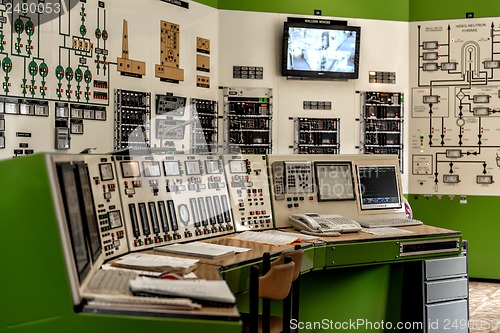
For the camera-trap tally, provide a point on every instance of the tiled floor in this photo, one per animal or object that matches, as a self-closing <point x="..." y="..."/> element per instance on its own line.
<point x="484" y="305"/>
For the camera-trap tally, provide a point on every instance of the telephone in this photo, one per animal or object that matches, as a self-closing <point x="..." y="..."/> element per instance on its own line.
<point x="323" y="225"/>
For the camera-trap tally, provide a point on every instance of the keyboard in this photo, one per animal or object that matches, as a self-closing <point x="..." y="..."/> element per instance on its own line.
<point x="175" y="303"/>
<point x="397" y="222"/>
<point x="113" y="282"/>
<point x="343" y="224"/>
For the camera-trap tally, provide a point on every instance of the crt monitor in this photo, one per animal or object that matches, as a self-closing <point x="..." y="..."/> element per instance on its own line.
<point x="378" y="187"/>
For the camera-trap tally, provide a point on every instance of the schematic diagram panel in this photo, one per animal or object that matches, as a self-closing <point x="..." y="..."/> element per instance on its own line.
<point x="54" y="50"/>
<point x="455" y="127"/>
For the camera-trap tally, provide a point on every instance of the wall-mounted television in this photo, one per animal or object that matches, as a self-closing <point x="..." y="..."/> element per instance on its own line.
<point x="315" y="49"/>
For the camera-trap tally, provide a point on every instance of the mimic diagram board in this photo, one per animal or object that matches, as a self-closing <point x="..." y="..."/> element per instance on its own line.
<point x="64" y="69"/>
<point x="455" y="124"/>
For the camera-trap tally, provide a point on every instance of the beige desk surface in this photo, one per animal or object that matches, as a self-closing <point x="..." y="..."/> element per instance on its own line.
<point x="210" y="268"/>
<point x="258" y="249"/>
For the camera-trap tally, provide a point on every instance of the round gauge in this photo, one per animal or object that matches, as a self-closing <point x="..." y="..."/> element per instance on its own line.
<point x="184" y="214"/>
<point x="78" y="75"/>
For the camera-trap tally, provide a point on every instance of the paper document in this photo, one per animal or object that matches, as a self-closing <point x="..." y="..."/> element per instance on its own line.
<point x="206" y="292"/>
<point x="202" y="249"/>
<point x="386" y="231"/>
<point x="267" y="238"/>
<point x="303" y="237"/>
<point x="156" y="262"/>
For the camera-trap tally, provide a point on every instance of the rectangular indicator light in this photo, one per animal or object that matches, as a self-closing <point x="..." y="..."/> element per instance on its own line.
<point x="484" y="179"/>
<point x="453" y="153"/>
<point x="451" y="179"/>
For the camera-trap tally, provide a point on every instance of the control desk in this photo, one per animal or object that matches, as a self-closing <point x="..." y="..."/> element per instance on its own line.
<point x="87" y="210"/>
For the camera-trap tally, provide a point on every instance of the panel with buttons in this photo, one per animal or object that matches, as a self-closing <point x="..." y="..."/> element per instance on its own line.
<point x="247" y="180"/>
<point x="110" y="219"/>
<point x="173" y="198"/>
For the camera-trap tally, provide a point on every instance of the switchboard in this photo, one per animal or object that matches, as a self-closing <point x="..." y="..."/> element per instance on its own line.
<point x="248" y="120"/>
<point x="316" y="135"/>
<point x="247" y="181"/>
<point x="382" y="123"/>
<point x="173" y="198"/>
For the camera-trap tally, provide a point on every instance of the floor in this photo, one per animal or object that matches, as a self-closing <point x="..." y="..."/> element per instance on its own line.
<point x="484" y="305"/>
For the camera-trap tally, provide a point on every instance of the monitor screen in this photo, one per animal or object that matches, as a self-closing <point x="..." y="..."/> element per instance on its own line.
<point x="69" y="193"/>
<point x="212" y="167"/>
<point x="237" y="166"/>
<point x="378" y="187"/>
<point x="334" y="180"/>
<point x="320" y="51"/>
<point x="88" y="209"/>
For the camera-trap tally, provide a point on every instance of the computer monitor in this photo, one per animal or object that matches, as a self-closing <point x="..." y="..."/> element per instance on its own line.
<point x="334" y="181"/>
<point x="378" y="187"/>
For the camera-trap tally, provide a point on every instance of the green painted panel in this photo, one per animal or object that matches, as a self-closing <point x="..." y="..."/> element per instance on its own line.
<point x="394" y="10"/>
<point x="478" y="222"/>
<point x="35" y="262"/>
<point x="424" y="10"/>
<point x="344" y="296"/>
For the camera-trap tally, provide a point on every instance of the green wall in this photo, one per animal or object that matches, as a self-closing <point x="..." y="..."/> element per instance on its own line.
<point x="425" y="10"/>
<point x="394" y="10"/>
<point x="477" y="220"/>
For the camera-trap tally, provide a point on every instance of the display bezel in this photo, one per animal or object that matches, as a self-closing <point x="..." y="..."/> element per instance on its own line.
<point x="146" y="167"/>
<point x="133" y="166"/>
<point x="377" y="206"/>
<point x="319" y="74"/>
<point x="349" y="178"/>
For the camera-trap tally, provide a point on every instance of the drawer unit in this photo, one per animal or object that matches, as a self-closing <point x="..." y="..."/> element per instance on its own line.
<point x="445" y="290"/>
<point x="447" y="317"/>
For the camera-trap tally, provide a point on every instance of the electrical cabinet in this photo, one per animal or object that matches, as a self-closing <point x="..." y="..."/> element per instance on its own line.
<point x="204" y="133"/>
<point x="132" y="119"/>
<point x="247" y="120"/>
<point x="382" y="123"/>
<point x="316" y="135"/>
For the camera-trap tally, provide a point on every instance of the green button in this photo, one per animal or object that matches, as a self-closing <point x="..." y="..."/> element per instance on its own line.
<point x="290" y="205"/>
<point x="296" y="205"/>
<point x="288" y="199"/>
<point x="295" y="199"/>
<point x="301" y="198"/>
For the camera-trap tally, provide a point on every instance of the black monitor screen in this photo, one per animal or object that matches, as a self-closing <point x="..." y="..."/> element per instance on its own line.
<point x="88" y="209"/>
<point x="378" y="187"/>
<point x="69" y="192"/>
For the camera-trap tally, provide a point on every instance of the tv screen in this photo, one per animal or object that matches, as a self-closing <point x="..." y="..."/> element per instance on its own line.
<point x="320" y="50"/>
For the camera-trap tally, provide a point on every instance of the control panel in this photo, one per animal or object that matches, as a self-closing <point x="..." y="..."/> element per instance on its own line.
<point x="316" y="135"/>
<point x="173" y="198"/>
<point x="247" y="180"/>
<point x="110" y="219"/>
<point x="328" y="184"/>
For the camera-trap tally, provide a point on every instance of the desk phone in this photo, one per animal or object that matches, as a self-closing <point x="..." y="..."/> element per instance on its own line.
<point x="323" y="225"/>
